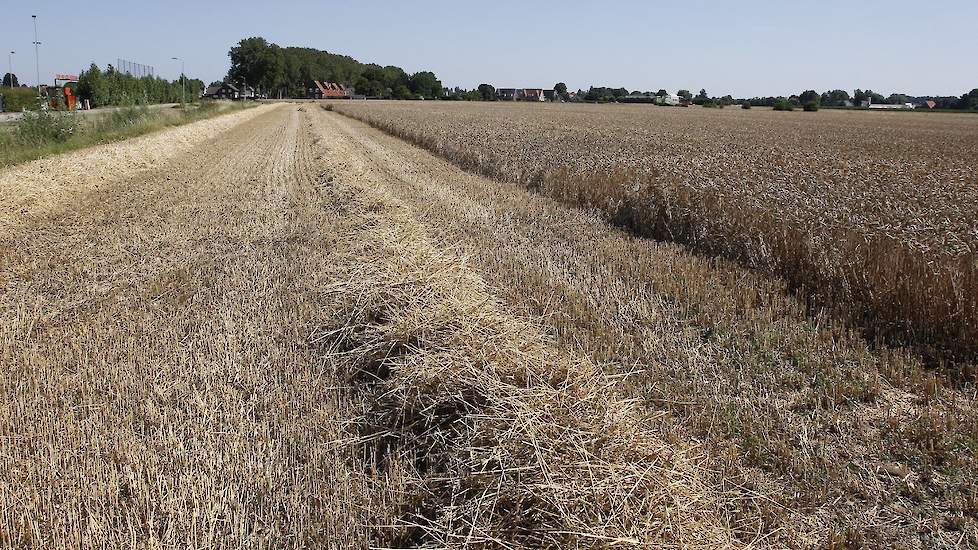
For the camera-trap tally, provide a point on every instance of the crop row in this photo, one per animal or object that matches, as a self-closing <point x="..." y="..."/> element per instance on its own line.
<point x="870" y="214"/>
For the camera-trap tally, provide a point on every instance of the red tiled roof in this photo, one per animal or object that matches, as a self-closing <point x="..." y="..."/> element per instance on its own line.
<point x="331" y="89"/>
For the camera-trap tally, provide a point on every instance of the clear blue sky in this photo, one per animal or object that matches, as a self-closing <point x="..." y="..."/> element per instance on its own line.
<point x="740" y="48"/>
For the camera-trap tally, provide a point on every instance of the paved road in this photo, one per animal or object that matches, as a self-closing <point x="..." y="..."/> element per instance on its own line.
<point x="10" y="117"/>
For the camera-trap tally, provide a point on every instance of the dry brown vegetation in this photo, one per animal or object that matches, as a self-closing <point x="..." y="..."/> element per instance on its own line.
<point x="872" y="215"/>
<point x="289" y="330"/>
<point x="812" y="437"/>
<point x="497" y="438"/>
<point x="254" y="345"/>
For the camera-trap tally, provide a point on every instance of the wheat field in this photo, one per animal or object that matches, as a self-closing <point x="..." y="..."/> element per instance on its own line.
<point x="868" y="213"/>
<point x="284" y="328"/>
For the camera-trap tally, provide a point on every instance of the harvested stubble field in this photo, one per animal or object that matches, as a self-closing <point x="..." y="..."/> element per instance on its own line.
<point x="289" y="329"/>
<point x="872" y="214"/>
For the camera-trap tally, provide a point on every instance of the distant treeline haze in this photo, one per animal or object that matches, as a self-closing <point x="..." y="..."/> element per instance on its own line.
<point x="290" y="72"/>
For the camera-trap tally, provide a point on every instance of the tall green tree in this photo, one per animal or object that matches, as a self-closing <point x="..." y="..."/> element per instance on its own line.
<point x="898" y="99"/>
<point x="834" y="98"/>
<point x="809" y="96"/>
<point x="92" y="87"/>
<point x="402" y="92"/>
<point x="291" y="71"/>
<point x="969" y="100"/>
<point x="561" y="90"/>
<point x="257" y="63"/>
<point x="487" y="92"/>
<point x="10" y="80"/>
<point x="370" y="87"/>
<point x="425" y="84"/>
<point x="110" y="87"/>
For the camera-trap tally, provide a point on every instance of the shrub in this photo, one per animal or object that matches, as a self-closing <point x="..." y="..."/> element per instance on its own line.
<point x="811" y="106"/>
<point x="745" y="106"/>
<point x="783" y="105"/>
<point x="40" y="127"/>
<point x="19" y="99"/>
<point x="125" y="117"/>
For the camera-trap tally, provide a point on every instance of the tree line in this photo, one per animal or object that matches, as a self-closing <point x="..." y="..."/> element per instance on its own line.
<point x="290" y="72"/>
<point x="808" y="99"/>
<point x="111" y="87"/>
<point x="859" y="97"/>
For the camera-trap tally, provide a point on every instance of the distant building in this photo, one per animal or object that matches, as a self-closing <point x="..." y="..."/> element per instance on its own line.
<point x="329" y="90"/>
<point x="223" y="91"/>
<point x="526" y="94"/>
<point x="891" y="107"/>
<point x="667" y="99"/>
<point x="508" y="94"/>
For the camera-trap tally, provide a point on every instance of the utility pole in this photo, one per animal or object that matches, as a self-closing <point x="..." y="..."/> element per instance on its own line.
<point x="37" y="64"/>
<point x="10" y="67"/>
<point x="183" y="82"/>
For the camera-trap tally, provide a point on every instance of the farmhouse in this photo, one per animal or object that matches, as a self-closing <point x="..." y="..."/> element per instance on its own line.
<point x="223" y="91"/>
<point x="667" y="99"/>
<point x="329" y="90"/>
<point x="525" y="94"/>
<point x="888" y="106"/>
<point x="508" y="94"/>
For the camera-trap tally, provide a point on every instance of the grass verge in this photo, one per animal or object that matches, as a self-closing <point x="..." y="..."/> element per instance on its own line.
<point x="43" y="133"/>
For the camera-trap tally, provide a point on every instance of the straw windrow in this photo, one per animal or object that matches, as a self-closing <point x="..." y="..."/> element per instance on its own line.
<point x="507" y="441"/>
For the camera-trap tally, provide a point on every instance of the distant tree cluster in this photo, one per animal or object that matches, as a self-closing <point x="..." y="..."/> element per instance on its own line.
<point x="10" y="80"/>
<point x="484" y="92"/>
<point x="809" y="100"/>
<point x="111" y="87"/>
<point x="602" y="94"/>
<point x="968" y="101"/>
<point x="290" y="72"/>
<point x="840" y="98"/>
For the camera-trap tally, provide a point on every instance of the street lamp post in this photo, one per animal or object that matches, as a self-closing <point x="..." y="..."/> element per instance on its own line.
<point x="10" y="67"/>
<point x="183" y="80"/>
<point x="37" y="63"/>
